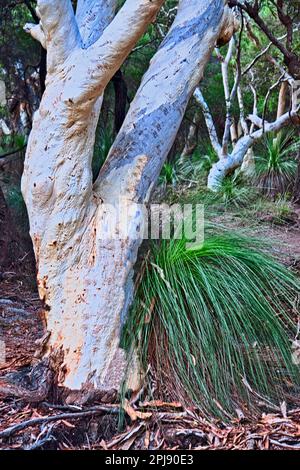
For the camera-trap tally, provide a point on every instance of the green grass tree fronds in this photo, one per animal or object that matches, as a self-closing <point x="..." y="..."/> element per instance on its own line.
<point x="215" y="323"/>
<point x="276" y="166"/>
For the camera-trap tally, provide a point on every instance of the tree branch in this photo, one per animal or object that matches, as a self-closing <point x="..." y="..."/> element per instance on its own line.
<point x="156" y="112"/>
<point x="244" y="124"/>
<point x="274" y="126"/>
<point x="230" y="95"/>
<point x="35" y="30"/>
<point x="225" y="165"/>
<point x="253" y="12"/>
<point x="291" y="59"/>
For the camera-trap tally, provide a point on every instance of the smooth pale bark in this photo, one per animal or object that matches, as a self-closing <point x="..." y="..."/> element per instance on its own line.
<point x="248" y="164"/>
<point x="66" y="215"/>
<point x="84" y="277"/>
<point x="4" y="128"/>
<point x="158" y="108"/>
<point x="154" y="117"/>
<point x="212" y="132"/>
<point x="228" y="96"/>
<point x="92" y="17"/>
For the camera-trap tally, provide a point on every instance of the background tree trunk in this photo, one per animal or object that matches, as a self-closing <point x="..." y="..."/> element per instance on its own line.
<point x="6" y="232"/>
<point x="297" y="182"/>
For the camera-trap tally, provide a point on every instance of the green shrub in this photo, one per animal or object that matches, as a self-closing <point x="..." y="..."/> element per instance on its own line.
<point x="168" y="175"/>
<point x="233" y="190"/>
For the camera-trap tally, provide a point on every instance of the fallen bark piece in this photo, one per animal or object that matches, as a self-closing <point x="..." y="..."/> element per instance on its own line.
<point x="134" y="414"/>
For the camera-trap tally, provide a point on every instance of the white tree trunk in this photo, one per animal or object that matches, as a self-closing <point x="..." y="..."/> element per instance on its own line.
<point x="212" y="132"/>
<point x="84" y="277"/>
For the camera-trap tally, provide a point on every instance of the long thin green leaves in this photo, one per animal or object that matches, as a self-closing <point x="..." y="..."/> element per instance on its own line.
<point x="216" y="324"/>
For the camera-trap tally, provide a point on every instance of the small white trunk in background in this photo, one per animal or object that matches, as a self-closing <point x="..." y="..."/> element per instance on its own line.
<point x="85" y="278"/>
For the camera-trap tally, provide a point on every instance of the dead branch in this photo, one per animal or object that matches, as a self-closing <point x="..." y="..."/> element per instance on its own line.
<point x="48" y="419"/>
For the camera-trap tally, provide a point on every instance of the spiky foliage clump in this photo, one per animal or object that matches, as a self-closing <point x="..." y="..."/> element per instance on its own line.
<point x="283" y="209"/>
<point x="276" y="166"/>
<point x="215" y="322"/>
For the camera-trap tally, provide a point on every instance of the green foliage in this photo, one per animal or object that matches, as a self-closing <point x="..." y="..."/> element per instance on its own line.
<point x="15" y="200"/>
<point x="233" y="193"/>
<point x="190" y="169"/>
<point x="282" y="208"/>
<point x="168" y="175"/>
<point x="215" y="323"/>
<point x="199" y="163"/>
<point x="25" y="53"/>
<point x="276" y="166"/>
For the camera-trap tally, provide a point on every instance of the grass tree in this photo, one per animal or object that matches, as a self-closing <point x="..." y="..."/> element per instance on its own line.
<point x="235" y="149"/>
<point x="84" y="276"/>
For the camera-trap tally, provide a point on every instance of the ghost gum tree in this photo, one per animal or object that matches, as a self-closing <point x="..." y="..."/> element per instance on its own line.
<point x="85" y="278"/>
